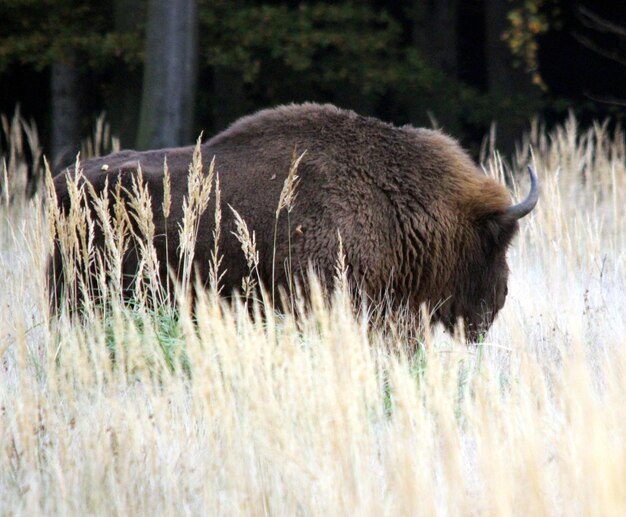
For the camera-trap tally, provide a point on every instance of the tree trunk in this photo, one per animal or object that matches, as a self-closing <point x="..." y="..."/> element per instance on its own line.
<point x="169" y="78"/>
<point x="435" y="34"/>
<point x="503" y="80"/>
<point x="66" y="112"/>
<point x="124" y="97"/>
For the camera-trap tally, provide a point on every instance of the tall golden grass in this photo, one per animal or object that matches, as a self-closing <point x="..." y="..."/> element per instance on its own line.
<point x="142" y="410"/>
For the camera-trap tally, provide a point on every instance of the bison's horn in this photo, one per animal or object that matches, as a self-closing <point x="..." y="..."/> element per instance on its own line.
<point x="525" y="207"/>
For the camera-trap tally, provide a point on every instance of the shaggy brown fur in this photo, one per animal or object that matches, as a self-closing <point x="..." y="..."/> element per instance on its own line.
<point x="418" y="219"/>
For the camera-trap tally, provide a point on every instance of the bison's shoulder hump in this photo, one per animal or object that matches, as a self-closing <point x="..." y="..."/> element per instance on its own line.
<point x="465" y="183"/>
<point x="284" y="118"/>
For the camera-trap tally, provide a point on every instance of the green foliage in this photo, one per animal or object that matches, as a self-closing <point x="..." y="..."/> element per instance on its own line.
<point x="349" y="52"/>
<point x="324" y="45"/>
<point x="41" y="32"/>
<point x="345" y="52"/>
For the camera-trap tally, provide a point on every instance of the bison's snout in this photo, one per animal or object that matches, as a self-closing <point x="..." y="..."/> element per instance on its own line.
<point x="472" y="332"/>
<point x="475" y="333"/>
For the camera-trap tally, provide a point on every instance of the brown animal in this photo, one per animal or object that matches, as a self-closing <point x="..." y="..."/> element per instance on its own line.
<point x="418" y="219"/>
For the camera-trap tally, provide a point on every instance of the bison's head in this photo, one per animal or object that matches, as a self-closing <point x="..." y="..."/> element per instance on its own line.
<point x="479" y="289"/>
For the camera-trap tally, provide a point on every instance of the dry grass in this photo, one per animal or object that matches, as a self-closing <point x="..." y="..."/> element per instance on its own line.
<point x="149" y="412"/>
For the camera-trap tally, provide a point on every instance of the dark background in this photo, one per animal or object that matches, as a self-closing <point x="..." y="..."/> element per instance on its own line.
<point x="164" y="70"/>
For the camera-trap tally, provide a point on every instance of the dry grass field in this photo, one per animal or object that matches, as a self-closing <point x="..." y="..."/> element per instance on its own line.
<point x="137" y="411"/>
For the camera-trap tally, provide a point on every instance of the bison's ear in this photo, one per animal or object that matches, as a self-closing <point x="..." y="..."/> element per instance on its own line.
<point x="488" y="214"/>
<point x="502" y="223"/>
<point x="500" y="229"/>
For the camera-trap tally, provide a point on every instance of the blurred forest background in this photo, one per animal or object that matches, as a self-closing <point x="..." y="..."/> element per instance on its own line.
<point x="164" y="70"/>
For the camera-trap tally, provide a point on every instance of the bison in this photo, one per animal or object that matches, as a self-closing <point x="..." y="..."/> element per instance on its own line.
<point x="419" y="222"/>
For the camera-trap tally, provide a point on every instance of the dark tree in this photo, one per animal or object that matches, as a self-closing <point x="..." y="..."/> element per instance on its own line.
<point x="505" y="81"/>
<point x="123" y="94"/>
<point x="169" y="78"/>
<point x="65" y="100"/>
<point x="73" y="43"/>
